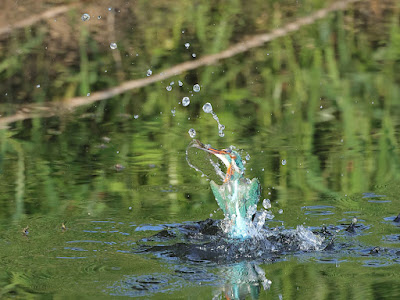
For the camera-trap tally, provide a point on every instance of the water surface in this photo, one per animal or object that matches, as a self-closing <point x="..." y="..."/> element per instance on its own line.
<point x="317" y="110"/>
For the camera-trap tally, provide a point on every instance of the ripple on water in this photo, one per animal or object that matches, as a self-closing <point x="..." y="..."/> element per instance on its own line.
<point x="104" y="222"/>
<point x="391" y="219"/>
<point x="379" y="201"/>
<point x="84" y="241"/>
<point x="71" y="257"/>
<point x="372" y="195"/>
<point x="318" y="210"/>
<point x="376" y="263"/>
<point x="150" y="228"/>
<point x="331" y="261"/>
<point x="146" y="285"/>
<point x="75" y="249"/>
<point x="392" y="238"/>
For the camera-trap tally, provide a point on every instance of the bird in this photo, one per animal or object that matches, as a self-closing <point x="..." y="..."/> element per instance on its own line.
<point x="237" y="194"/>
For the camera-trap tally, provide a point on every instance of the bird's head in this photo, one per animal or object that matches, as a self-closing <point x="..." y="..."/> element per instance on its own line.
<point x="230" y="158"/>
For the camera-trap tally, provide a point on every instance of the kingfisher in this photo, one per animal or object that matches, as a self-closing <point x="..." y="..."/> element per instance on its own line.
<point x="237" y="194"/>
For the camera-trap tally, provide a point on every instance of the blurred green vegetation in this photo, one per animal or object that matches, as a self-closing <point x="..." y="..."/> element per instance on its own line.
<point x="325" y="99"/>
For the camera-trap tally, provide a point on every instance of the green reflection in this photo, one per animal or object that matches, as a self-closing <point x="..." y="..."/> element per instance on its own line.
<point x="325" y="99"/>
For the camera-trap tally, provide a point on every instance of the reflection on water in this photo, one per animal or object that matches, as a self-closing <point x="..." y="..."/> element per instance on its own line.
<point x="244" y="281"/>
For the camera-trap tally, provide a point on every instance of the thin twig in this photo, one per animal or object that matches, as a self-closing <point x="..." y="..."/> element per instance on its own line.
<point x="255" y="41"/>
<point x="51" y="13"/>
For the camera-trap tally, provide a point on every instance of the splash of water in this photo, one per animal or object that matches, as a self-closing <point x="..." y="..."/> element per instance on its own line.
<point x="238" y="197"/>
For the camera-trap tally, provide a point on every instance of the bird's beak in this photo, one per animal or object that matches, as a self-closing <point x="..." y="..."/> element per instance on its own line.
<point x="221" y="155"/>
<point x="218" y="153"/>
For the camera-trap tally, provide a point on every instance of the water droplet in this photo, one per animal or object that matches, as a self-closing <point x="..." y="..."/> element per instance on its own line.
<point x="85" y="17"/>
<point x="113" y="46"/>
<point x="38" y="86"/>
<point x="266" y="203"/>
<point x="193" y="55"/>
<point x="192" y="132"/>
<point x="172" y="83"/>
<point x="221" y="133"/>
<point x="99" y="17"/>
<point x="196" y="88"/>
<point x="283" y="162"/>
<point x="110" y="8"/>
<point x="185" y="101"/>
<point x="207" y="108"/>
<point x="169" y="88"/>
<point x="135" y="116"/>
<point x="248" y="157"/>
<point x="221" y="127"/>
<point x="88" y="94"/>
<point x="252" y="210"/>
<point x="180" y="83"/>
<point x="187" y="45"/>
<point x="280" y="211"/>
<point x="173" y="111"/>
<point x="149" y="72"/>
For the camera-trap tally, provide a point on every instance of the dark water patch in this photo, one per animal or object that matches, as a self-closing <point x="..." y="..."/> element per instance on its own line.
<point x="397" y="219"/>
<point x="205" y="241"/>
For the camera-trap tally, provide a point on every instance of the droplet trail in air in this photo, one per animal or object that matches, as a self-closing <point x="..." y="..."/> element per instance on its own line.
<point x="207" y="108"/>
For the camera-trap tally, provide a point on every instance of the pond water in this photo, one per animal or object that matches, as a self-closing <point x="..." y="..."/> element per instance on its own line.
<point x="97" y="198"/>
